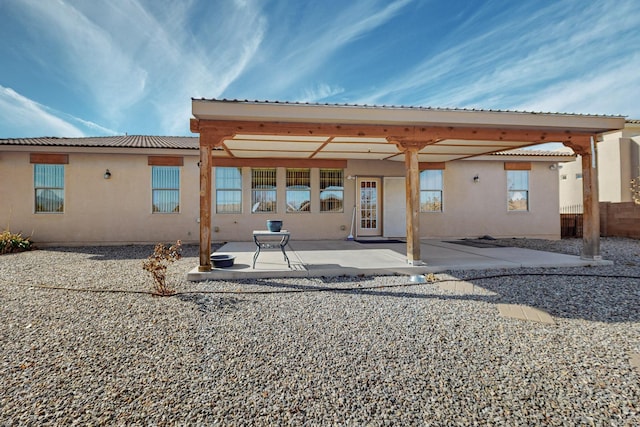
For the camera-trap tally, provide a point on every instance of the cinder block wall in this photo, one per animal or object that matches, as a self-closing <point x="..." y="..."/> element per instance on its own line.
<point x="620" y="219"/>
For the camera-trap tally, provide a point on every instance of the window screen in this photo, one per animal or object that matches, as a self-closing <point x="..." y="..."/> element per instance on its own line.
<point x="263" y="190"/>
<point x="165" y="189"/>
<point x="228" y="190"/>
<point x="431" y="191"/>
<point x="49" y="188"/>
<point x="518" y="190"/>
<point x="331" y="190"/>
<point x="298" y="190"/>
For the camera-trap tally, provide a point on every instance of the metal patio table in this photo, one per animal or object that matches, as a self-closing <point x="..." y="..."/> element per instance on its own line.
<point x="265" y="239"/>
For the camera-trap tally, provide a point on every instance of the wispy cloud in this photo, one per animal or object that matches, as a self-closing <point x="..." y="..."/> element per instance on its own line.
<point x="510" y="63"/>
<point x="96" y="64"/>
<point x="18" y="112"/>
<point x="318" y="93"/>
<point x="149" y="60"/>
<point x="309" y="41"/>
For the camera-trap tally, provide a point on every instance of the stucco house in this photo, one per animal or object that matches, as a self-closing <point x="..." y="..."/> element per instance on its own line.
<point x="619" y="163"/>
<point x="327" y="171"/>
<point x="144" y="189"/>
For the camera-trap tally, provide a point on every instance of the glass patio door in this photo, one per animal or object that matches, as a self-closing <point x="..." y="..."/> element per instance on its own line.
<point x="369" y="207"/>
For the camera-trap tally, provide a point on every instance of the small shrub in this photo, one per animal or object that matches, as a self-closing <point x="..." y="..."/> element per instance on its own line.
<point x="157" y="264"/>
<point x="14" y="242"/>
<point x="635" y="190"/>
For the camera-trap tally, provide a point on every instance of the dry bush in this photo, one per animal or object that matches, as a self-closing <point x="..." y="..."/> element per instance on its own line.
<point x="157" y="264"/>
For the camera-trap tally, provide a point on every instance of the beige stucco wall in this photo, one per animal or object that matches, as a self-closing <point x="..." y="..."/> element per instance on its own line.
<point x="97" y="210"/>
<point x="570" y="188"/>
<point x="618" y="163"/>
<point x="477" y="209"/>
<point x="118" y="210"/>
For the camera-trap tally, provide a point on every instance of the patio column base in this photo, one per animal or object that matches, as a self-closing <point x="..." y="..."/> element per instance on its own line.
<point x="417" y="262"/>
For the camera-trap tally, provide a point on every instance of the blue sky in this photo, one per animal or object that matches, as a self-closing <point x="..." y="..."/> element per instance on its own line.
<point x="86" y="68"/>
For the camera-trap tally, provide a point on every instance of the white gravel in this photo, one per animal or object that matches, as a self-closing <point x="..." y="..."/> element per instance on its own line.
<point x="324" y="351"/>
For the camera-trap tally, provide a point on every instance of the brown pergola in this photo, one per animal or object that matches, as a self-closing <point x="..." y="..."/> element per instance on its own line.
<point x="245" y="133"/>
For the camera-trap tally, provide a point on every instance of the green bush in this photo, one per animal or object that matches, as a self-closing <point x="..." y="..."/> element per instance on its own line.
<point x="14" y="242"/>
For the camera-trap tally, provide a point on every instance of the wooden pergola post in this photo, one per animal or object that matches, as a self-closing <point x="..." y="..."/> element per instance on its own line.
<point x="413" y="205"/>
<point x="412" y="185"/>
<point x="591" y="212"/>
<point x="209" y="138"/>
<point x="205" y="207"/>
<point x="590" y="200"/>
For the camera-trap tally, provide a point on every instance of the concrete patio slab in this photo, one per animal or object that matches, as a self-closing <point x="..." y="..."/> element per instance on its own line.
<point x="524" y="312"/>
<point x="350" y="258"/>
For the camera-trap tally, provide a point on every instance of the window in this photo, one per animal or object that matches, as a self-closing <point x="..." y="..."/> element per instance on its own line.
<point x="165" y="189"/>
<point x="331" y="190"/>
<point x="579" y="176"/>
<point x="298" y="190"/>
<point x="518" y="190"/>
<point x="49" y="188"/>
<point x="228" y="190"/>
<point x="263" y="190"/>
<point x="431" y="191"/>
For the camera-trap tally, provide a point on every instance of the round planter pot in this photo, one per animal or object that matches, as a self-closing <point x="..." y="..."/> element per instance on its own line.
<point x="274" y="225"/>
<point x="222" y="261"/>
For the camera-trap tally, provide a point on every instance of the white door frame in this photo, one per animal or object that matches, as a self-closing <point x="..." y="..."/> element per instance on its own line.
<point x="368" y="199"/>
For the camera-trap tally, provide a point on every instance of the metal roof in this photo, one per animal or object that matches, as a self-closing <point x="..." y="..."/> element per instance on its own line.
<point x="125" y="141"/>
<point x="397" y="107"/>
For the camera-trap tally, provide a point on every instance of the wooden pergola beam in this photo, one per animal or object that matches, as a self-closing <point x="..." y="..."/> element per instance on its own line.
<point x="432" y="134"/>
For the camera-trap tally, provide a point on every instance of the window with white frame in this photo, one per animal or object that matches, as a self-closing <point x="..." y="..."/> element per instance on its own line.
<point x="263" y="190"/>
<point x="331" y="190"/>
<point x="298" y="194"/>
<point x="431" y="190"/>
<point x="165" y="189"/>
<point x="48" y="182"/>
<point x="518" y="190"/>
<point x="228" y="190"/>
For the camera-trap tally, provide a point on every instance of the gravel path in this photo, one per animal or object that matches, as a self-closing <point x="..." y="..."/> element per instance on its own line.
<point x="357" y="351"/>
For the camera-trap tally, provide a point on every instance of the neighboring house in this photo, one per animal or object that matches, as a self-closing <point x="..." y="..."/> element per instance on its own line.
<point x="146" y="189"/>
<point x="618" y="163"/>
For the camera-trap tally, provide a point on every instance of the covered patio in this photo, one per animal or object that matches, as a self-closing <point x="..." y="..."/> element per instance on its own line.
<point x="252" y="133"/>
<point x="330" y="258"/>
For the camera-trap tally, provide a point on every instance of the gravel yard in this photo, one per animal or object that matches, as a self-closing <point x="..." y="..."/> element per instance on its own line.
<point x="348" y="350"/>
